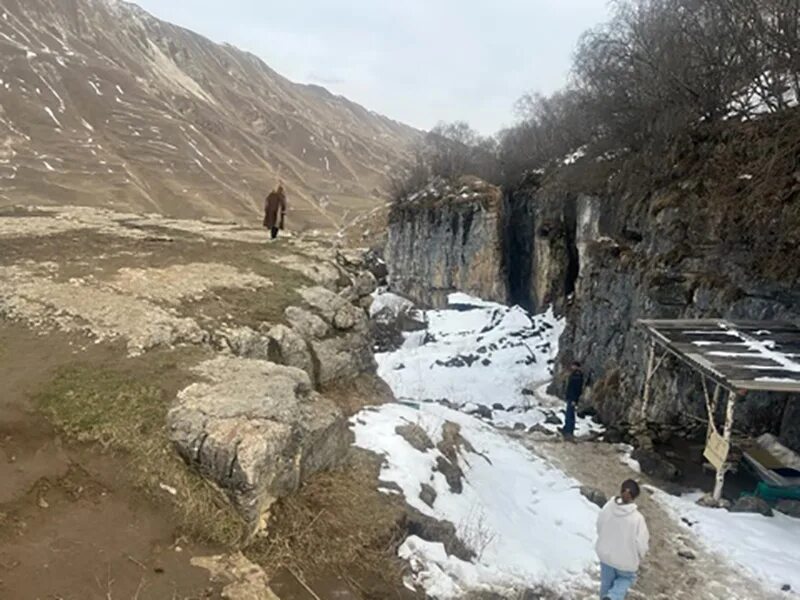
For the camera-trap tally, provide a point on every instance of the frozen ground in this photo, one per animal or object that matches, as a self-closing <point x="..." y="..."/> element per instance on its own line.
<point x="513" y="504"/>
<point x="482" y="369"/>
<point x="481" y="354"/>
<point x="767" y="548"/>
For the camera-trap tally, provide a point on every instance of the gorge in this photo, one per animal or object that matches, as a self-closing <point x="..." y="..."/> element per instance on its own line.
<point x="711" y="230"/>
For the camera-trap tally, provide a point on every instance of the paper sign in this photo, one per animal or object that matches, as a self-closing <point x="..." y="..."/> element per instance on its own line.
<point x="717" y="449"/>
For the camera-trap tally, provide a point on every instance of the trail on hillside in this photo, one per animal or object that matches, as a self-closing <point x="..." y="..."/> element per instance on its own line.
<point x="475" y="434"/>
<point x="665" y="573"/>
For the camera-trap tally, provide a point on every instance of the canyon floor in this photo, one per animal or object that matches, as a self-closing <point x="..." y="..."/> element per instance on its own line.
<point x="104" y="317"/>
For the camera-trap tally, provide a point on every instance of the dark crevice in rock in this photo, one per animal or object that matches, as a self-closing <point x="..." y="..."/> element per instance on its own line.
<point x="518" y="231"/>
<point x="199" y="453"/>
<point x="466" y="226"/>
<point x="234" y="461"/>
<point x="573" y="266"/>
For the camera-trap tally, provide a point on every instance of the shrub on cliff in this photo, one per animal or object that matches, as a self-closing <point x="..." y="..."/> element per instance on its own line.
<point x="449" y="151"/>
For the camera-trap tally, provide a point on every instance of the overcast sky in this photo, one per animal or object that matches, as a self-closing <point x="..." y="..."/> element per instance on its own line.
<point x="417" y="61"/>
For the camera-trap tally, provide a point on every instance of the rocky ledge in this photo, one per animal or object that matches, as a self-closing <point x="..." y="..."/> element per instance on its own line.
<point x="257" y="430"/>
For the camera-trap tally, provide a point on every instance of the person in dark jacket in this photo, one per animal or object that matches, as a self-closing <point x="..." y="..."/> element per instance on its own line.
<point x="275" y="211"/>
<point x="573" y="395"/>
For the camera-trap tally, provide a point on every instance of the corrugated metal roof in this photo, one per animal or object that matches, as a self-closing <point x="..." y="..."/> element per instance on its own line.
<point x="740" y="355"/>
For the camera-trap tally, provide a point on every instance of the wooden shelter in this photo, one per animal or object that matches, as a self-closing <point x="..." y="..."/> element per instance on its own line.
<point x="737" y="357"/>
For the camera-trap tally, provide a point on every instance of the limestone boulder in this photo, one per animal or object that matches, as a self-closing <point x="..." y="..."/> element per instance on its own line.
<point x="594" y="496"/>
<point x="242" y="341"/>
<point x="343" y="357"/>
<point x="789" y="507"/>
<point x="306" y="323"/>
<point x="347" y="317"/>
<point x="364" y="284"/>
<point x="752" y="504"/>
<point x="427" y="494"/>
<point x="337" y="333"/>
<point x="287" y="347"/>
<point x="415" y="435"/>
<point x="257" y="430"/>
<point x="324" y="302"/>
<point x="364" y="260"/>
<point x="653" y="464"/>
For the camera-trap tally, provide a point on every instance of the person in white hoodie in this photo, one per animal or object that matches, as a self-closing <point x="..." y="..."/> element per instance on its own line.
<point x="622" y="542"/>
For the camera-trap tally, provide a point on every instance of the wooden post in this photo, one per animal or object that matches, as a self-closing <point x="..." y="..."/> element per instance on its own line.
<point x="726" y="435"/>
<point x="711" y="408"/>
<point x="647" y="377"/>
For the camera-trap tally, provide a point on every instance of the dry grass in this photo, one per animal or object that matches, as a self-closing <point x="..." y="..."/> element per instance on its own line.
<point x="338" y="523"/>
<point x="124" y="410"/>
<point x="355" y="394"/>
<point x="251" y="308"/>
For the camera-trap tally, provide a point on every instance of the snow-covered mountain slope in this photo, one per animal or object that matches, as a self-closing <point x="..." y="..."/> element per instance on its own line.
<point x="102" y="104"/>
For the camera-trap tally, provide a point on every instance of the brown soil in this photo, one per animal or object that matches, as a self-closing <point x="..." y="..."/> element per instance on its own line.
<point x="337" y="533"/>
<point x="71" y="524"/>
<point x="84" y="454"/>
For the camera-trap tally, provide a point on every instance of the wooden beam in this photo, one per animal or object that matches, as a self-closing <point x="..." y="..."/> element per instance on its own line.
<point x="711" y="407"/>
<point x="670" y="334"/>
<point x="751" y="385"/>
<point x="730" y="412"/>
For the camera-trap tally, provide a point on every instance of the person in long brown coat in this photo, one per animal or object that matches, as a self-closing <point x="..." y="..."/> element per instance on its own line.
<point x="275" y="211"/>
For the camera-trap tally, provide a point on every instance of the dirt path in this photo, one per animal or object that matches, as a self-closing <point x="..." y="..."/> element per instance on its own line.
<point x="78" y="521"/>
<point x="71" y="526"/>
<point x="665" y="574"/>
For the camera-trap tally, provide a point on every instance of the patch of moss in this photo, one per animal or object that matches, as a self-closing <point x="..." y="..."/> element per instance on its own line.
<point x="124" y="409"/>
<point x="248" y="307"/>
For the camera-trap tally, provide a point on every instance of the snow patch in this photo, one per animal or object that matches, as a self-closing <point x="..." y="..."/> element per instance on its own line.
<point x="484" y="355"/>
<point x="765" y="547"/>
<point x="52" y="116"/>
<point x="512" y="506"/>
<point x="474" y="356"/>
<point x="573" y="157"/>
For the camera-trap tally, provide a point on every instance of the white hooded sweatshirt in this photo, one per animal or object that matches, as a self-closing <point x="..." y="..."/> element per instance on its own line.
<point x="622" y="536"/>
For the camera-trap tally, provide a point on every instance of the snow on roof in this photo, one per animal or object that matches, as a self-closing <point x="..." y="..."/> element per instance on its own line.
<point x="741" y="355"/>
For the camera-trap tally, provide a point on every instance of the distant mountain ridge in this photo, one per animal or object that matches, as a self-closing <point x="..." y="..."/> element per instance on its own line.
<point x="103" y="104"/>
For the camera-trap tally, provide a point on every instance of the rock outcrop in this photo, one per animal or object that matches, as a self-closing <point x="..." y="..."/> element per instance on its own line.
<point x="241" y="579"/>
<point x="610" y="260"/>
<point x="337" y="333"/>
<point x="714" y="237"/>
<point x="447" y="238"/>
<point x="328" y="335"/>
<point x="257" y="430"/>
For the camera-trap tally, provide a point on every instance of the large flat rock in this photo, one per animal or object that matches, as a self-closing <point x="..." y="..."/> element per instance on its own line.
<point x="257" y="430"/>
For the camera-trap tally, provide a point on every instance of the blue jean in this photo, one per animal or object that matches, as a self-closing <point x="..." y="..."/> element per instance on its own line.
<point x="614" y="584"/>
<point x="569" y="419"/>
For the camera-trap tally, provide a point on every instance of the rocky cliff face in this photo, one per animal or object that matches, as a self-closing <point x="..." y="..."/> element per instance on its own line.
<point x="102" y="104"/>
<point x="447" y="238"/>
<point x="706" y="241"/>
<point x="716" y="234"/>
